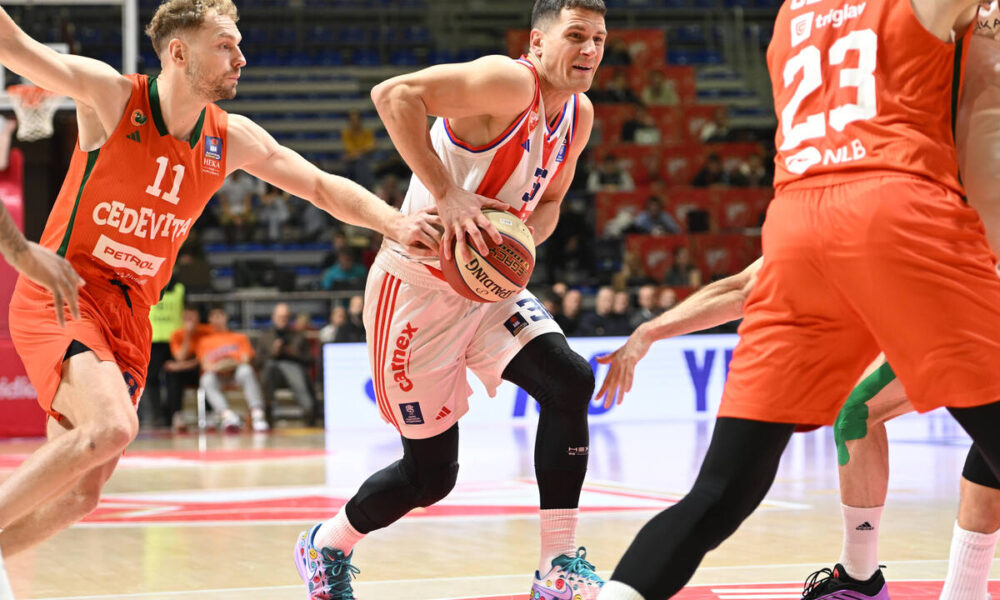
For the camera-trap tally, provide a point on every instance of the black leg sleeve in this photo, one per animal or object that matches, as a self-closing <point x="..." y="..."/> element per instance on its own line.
<point x="738" y="469"/>
<point x="426" y="474"/>
<point x="563" y="384"/>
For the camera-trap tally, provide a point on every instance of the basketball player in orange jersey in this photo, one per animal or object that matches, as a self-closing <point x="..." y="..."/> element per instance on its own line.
<point x="508" y="131"/>
<point x="151" y="152"/>
<point x="868" y="246"/>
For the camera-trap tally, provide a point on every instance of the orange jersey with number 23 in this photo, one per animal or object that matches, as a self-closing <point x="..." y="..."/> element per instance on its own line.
<point x="860" y="86"/>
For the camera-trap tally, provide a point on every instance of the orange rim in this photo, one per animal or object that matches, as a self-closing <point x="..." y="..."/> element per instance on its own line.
<point x="29" y="95"/>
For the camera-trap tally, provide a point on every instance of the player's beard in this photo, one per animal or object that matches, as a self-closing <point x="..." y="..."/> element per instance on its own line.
<point x="212" y="90"/>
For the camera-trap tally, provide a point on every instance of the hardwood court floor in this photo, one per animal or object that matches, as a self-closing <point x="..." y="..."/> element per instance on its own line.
<point x="198" y="517"/>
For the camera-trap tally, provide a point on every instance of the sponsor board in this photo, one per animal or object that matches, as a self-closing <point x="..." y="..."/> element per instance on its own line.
<point x="679" y="378"/>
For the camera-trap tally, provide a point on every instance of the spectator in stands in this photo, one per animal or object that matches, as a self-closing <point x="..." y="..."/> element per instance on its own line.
<point x="192" y="269"/>
<point x="648" y="171"/>
<point x="338" y="316"/>
<point x="353" y="330"/>
<point x="274" y="213"/>
<point x="183" y="370"/>
<point x="660" y="91"/>
<point x="616" y="90"/>
<point x="236" y="205"/>
<point x="346" y="274"/>
<point x="754" y="172"/>
<point x="225" y="357"/>
<point x="632" y="274"/>
<point x="569" y="248"/>
<point x="711" y="173"/>
<point x="641" y="128"/>
<point x="618" y="322"/>
<point x="610" y="176"/>
<point x="617" y="53"/>
<point x="683" y="273"/>
<point x="646" y="309"/>
<point x="302" y="323"/>
<point x="285" y="356"/>
<point x="717" y="130"/>
<point x="359" y="145"/>
<point x="551" y="303"/>
<point x="569" y="319"/>
<point x="165" y="317"/>
<point x="666" y="300"/>
<point x="390" y="190"/>
<point x="597" y="322"/>
<point x="655" y="220"/>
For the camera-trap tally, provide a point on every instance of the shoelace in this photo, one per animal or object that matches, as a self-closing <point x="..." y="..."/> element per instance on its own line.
<point x="814" y="585"/>
<point x="339" y="572"/>
<point x="580" y="567"/>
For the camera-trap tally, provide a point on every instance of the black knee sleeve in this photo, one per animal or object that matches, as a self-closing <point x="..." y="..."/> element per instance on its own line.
<point x="426" y="474"/>
<point x="737" y="472"/>
<point x="563" y="384"/>
<point x="982" y="466"/>
<point x="553" y="374"/>
<point x="978" y="471"/>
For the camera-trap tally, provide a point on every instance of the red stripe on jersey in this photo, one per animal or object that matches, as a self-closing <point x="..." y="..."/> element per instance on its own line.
<point x="503" y="164"/>
<point x="390" y="289"/>
<point x="378" y="378"/>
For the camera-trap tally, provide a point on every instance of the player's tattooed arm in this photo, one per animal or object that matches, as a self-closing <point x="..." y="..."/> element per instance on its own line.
<point x="41" y="265"/>
<point x="717" y="303"/>
<point x="544" y="218"/>
<point x="256" y="152"/>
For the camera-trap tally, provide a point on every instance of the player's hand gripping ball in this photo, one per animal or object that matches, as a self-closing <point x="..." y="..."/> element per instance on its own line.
<point x="502" y="273"/>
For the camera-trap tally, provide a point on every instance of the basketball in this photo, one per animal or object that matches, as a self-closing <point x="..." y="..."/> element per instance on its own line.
<point x="499" y="275"/>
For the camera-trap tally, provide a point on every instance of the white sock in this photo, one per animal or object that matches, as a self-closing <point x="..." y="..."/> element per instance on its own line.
<point x="337" y="533"/>
<point x="969" y="564"/>
<point x="860" y="551"/>
<point x="616" y="590"/>
<point x="558" y="535"/>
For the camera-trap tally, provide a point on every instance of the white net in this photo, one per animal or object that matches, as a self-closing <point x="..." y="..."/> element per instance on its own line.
<point x="35" y="109"/>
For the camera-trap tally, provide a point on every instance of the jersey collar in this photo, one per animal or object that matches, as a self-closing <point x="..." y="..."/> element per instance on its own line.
<point x="161" y="126"/>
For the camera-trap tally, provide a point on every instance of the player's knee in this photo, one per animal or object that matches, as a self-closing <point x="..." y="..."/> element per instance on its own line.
<point x="112" y="435"/>
<point x="435" y="486"/>
<point x="570" y="384"/>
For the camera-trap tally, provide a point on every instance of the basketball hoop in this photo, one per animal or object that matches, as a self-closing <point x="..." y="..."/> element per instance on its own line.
<point x="34" y="108"/>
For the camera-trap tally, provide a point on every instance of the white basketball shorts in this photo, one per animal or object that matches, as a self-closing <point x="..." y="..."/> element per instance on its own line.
<point x="422" y="336"/>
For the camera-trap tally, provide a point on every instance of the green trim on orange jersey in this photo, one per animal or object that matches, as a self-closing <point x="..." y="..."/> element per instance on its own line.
<point x="161" y="125"/>
<point x="91" y="161"/>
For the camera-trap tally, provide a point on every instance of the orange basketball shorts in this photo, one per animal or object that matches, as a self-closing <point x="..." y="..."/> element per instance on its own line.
<point x="106" y="325"/>
<point x="889" y="262"/>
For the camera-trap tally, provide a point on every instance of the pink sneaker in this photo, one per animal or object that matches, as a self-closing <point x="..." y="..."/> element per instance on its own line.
<point x="326" y="572"/>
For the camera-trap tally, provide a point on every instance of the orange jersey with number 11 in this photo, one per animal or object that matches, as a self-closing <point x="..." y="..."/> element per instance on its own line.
<point x="860" y="86"/>
<point x="125" y="209"/>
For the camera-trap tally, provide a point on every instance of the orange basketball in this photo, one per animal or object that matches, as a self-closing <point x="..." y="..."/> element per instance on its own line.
<point x="502" y="273"/>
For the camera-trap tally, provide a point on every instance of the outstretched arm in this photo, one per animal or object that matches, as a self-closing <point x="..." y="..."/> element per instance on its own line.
<point x="491" y="90"/>
<point x="86" y="80"/>
<point x="41" y="265"/>
<point x="717" y="303"/>
<point x="256" y="152"/>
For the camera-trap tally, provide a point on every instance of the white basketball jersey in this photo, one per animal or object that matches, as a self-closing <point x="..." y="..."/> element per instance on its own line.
<point x="515" y="168"/>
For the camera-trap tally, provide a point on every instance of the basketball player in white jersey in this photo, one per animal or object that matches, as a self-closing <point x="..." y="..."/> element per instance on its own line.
<point x="508" y="134"/>
<point x="859" y="431"/>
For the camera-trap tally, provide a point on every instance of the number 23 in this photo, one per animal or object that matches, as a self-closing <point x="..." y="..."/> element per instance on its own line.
<point x="809" y="61"/>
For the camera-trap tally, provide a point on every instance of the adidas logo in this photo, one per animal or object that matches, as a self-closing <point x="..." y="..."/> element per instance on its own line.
<point x="866" y="526"/>
<point x="444" y="413"/>
<point x="134" y="136"/>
